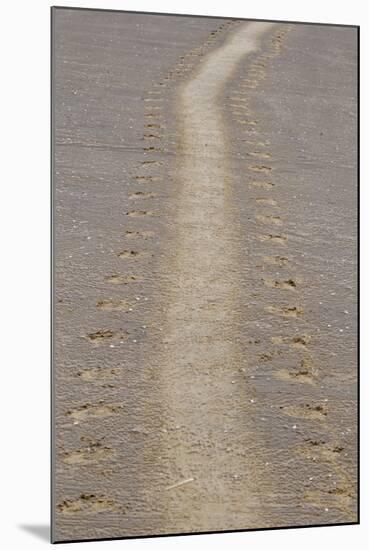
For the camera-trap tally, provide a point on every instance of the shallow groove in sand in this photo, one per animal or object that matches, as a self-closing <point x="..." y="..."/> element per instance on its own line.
<point x="200" y="350"/>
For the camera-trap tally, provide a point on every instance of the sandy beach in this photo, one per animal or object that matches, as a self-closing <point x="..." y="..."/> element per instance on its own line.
<point x="205" y="300"/>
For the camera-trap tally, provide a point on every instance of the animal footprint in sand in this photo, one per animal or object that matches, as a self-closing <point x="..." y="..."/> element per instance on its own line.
<point x="285" y="311"/>
<point x="106" y="335"/>
<point x="154" y="92"/>
<point x="305" y="373"/>
<point x="280" y="261"/>
<point x="94" y="452"/>
<point x="152" y="115"/>
<point x="88" y="410"/>
<point x="303" y="377"/>
<point x="87" y="504"/>
<point x="147" y="178"/>
<point x="248" y="83"/>
<point x="262" y="184"/>
<point x="139" y="234"/>
<point x="265" y="357"/>
<point x="312" y="448"/>
<point x="153" y="149"/>
<point x="340" y="498"/>
<point x="288" y="284"/>
<point x="259" y="64"/>
<point x="247" y="122"/>
<point x="121" y="279"/>
<point x="115" y="305"/>
<point x="260" y="155"/>
<point x="238" y="99"/>
<point x="140" y="213"/>
<point x="150" y="163"/>
<point x="153" y="99"/>
<point x="141" y="195"/>
<point x="275" y="220"/>
<point x="257" y="143"/>
<point x="265" y="201"/>
<point x="275" y="239"/>
<point x="151" y="136"/>
<point x="130" y="254"/>
<point x="98" y="374"/>
<point x="299" y="342"/>
<point x="260" y="168"/>
<point x="310" y="412"/>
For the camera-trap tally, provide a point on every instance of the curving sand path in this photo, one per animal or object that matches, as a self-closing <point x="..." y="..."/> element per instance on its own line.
<point x="206" y="411"/>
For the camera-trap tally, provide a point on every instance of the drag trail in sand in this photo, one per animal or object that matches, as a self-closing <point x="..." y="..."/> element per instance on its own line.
<point x="201" y="348"/>
<point x="204" y="311"/>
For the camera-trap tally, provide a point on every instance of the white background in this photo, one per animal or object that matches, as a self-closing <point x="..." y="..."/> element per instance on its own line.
<point x="24" y="256"/>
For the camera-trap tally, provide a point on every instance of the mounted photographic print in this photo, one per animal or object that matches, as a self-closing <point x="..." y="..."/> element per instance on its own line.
<point x="205" y="188"/>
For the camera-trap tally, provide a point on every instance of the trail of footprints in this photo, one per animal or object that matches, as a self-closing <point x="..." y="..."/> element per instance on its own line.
<point x="341" y="492"/>
<point x="270" y="221"/>
<point x="305" y="372"/>
<point x="156" y="142"/>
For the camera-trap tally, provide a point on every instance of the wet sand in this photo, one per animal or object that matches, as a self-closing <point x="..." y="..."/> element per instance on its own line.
<point x="205" y="272"/>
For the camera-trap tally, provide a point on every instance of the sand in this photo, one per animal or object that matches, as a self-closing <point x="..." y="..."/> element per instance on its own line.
<point x="205" y="275"/>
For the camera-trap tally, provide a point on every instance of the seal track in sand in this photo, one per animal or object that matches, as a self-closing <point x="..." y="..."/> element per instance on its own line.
<point x="209" y="451"/>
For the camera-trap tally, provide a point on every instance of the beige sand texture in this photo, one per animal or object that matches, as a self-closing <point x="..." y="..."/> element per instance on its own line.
<point x="204" y="366"/>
